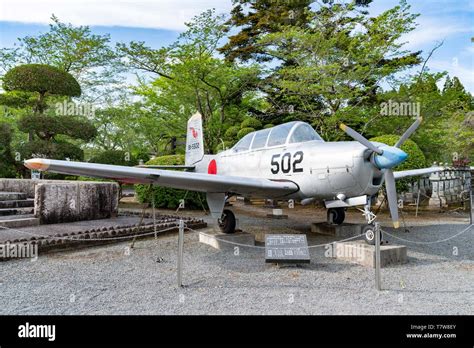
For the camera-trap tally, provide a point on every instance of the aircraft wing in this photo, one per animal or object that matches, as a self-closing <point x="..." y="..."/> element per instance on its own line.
<point x="416" y="172"/>
<point x="159" y="166"/>
<point x="167" y="178"/>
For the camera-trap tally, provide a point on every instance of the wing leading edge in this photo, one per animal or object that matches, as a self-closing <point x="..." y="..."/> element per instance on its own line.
<point x="166" y="178"/>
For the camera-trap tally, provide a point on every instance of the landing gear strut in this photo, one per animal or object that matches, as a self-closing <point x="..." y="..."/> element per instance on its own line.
<point x="369" y="234"/>
<point x="369" y="230"/>
<point x="336" y="215"/>
<point x="227" y="221"/>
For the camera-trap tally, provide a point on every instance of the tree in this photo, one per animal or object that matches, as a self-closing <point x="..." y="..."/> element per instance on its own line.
<point x="42" y="80"/>
<point x="255" y="19"/>
<point x="339" y="63"/>
<point x="190" y="77"/>
<point x="48" y="133"/>
<point x="86" y="56"/>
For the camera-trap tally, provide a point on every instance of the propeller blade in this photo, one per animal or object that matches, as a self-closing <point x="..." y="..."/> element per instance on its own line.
<point x="409" y="132"/>
<point x="358" y="137"/>
<point x="392" y="197"/>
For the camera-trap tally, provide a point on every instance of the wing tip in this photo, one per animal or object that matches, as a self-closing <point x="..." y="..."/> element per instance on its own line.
<point x="37" y="164"/>
<point x="343" y="127"/>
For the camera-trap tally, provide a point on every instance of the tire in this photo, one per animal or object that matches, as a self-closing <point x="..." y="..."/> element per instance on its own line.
<point x="227" y="221"/>
<point x="336" y="216"/>
<point x="369" y="234"/>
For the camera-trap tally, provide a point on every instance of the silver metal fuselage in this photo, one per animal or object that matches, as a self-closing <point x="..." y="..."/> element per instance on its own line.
<point x="322" y="170"/>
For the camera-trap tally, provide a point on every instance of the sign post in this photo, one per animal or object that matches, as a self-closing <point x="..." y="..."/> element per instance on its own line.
<point x="180" y="252"/>
<point x="377" y="256"/>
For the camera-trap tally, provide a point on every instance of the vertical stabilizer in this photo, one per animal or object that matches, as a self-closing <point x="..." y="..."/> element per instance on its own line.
<point x="194" y="140"/>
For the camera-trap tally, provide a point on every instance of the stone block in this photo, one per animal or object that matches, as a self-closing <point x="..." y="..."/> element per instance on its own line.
<point x="222" y="241"/>
<point x="75" y="201"/>
<point x="364" y="254"/>
<point x="344" y="230"/>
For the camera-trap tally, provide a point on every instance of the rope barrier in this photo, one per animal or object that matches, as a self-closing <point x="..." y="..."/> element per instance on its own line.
<point x="432" y="242"/>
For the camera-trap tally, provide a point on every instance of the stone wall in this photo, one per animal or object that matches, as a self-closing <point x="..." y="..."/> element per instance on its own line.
<point x="75" y="201"/>
<point x="65" y="201"/>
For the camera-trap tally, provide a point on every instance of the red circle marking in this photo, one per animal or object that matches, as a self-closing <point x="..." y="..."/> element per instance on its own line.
<point x="212" y="168"/>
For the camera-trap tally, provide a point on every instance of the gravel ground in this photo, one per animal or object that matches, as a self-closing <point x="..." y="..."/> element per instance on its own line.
<point x="112" y="279"/>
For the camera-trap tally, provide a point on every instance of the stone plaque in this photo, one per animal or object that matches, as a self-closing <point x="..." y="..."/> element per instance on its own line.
<point x="286" y="248"/>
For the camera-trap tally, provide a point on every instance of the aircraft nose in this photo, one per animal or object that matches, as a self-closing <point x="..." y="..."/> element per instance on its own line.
<point x="390" y="157"/>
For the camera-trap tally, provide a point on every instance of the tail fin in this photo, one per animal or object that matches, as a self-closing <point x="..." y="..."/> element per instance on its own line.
<point x="194" y="140"/>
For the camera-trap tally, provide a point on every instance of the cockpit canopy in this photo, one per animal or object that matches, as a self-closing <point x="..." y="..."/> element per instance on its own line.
<point x="287" y="133"/>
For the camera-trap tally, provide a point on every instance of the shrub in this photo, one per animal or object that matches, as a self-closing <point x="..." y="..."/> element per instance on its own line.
<point x="269" y="125"/>
<point x="169" y="197"/>
<point x="244" y="131"/>
<point x="116" y="157"/>
<point x="416" y="158"/>
<point x="41" y="78"/>
<point x="251" y="123"/>
<point x="7" y="163"/>
<point x="231" y="132"/>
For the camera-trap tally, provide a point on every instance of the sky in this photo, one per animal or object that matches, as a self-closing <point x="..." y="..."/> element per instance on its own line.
<point x="159" y="22"/>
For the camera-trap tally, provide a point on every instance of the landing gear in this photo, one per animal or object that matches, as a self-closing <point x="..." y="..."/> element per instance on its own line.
<point x="227" y="221"/>
<point x="336" y="215"/>
<point x="369" y="234"/>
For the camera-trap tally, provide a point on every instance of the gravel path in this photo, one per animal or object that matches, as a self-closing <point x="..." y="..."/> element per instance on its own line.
<point x="112" y="279"/>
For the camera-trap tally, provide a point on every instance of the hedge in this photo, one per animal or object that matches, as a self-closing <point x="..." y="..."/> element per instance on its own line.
<point x="169" y="197"/>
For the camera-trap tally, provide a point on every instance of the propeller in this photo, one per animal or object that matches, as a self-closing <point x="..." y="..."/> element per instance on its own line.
<point x="385" y="158"/>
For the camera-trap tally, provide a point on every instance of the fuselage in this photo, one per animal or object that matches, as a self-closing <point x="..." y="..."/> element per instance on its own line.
<point x="322" y="170"/>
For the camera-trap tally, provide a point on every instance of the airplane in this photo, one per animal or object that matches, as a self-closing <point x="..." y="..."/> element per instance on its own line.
<point x="287" y="161"/>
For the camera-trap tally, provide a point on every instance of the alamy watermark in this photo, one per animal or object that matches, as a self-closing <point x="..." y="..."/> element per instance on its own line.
<point x="394" y="108"/>
<point x="19" y="250"/>
<point x="69" y="108"/>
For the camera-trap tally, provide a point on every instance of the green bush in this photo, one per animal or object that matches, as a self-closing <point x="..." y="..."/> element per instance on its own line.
<point x="244" y="131"/>
<point x="42" y="79"/>
<point x="115" y="157"/>
<point x="7" y="162"/>
<point x="231" y="132"/>
<point x="416" y="158"/>
<point x="169" y="197"/>
<point x="56" y="149"/>
<point x="48" y="127"/>
<point x="270" y="125"/>
<point x="251" y="123"/>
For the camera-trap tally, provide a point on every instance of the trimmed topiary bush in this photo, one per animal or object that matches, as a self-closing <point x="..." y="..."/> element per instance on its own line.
<point x="116" y="157"/>
<point x="168" y="197"/>
<point x="41" y="78"/>
<point x="231" y="132"/>
<point x="244" y="131"/>
<point x="251" y="123"/>
<point x="416" y="158"/>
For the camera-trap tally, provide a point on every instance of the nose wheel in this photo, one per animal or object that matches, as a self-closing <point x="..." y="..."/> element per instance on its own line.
<point x="369" y="234"/>
<point x="227" y="221"/>
<point x="336" y="215"/>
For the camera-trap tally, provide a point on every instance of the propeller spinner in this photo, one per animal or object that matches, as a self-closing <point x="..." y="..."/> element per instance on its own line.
<point x="385" y="158"/>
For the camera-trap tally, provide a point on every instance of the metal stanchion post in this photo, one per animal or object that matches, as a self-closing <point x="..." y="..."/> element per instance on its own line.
<point x="471" y="201"/>
<point x="180" y="253"/>
<point x="154" y="216"/>
<point x="377" y="256"/>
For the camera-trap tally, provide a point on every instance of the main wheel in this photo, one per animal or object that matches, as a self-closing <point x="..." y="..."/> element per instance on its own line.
<point x="227" y="221"/>
<point x="336" y="215"/>
<point x="369" y="234"/>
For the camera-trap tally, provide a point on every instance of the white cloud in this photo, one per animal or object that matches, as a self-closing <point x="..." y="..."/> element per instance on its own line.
<point x="160" y="14"/>
<point x="430" y="31"/>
